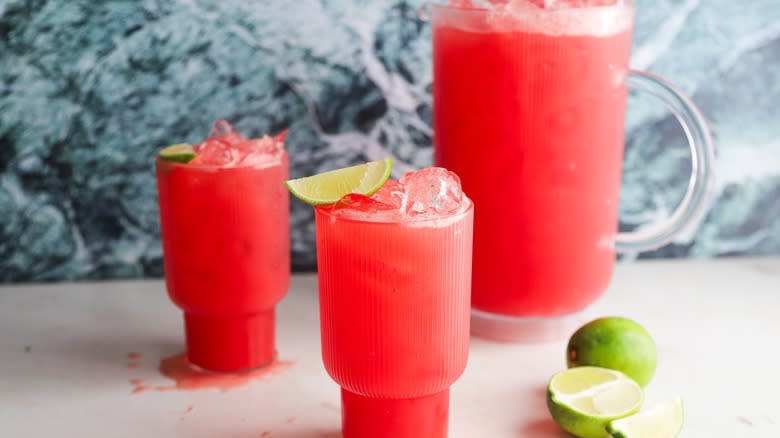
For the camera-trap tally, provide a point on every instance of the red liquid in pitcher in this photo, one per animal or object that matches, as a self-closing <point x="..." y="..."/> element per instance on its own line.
<point x="530" y="114"/>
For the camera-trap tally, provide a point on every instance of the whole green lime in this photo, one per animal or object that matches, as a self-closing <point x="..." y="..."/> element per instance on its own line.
<point x="616" y="343"/>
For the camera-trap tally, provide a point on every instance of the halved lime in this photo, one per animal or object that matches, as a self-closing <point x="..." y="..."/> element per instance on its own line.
<point x="180" y="153"/>
<point x="328" y="187"/>
<point x="661" y="421"/>
<point x="584" y="400"/>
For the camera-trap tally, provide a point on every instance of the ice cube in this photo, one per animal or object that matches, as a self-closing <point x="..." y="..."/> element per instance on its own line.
<point x="362" y="207"/>
<point x="261" y="150"/>
<point x="468" y="3"/>
<point x="222" y="130"/>
<point x="564" y="17"/>
<point x="219" y="149"/>
<point x="215" y="151"/>
<point x="425" y="194"/>
<point x="226" y="147"/>
<point x="568" y="4"/>
<point x="432" y="192"/>
<point x="391" y="193"/>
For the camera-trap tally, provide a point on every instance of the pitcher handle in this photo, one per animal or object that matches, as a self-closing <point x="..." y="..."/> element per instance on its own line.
<point x="694" y="205"/>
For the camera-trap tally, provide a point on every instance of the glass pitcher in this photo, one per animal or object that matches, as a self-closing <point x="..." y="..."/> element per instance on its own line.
<point x="529" y="109"/>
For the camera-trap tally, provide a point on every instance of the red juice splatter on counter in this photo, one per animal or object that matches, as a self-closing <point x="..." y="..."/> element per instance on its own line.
<point x="134" y="357"/>
<point x="189" y="378"/>
<point x="139" y="386"/>
<point x="189" y="409"/>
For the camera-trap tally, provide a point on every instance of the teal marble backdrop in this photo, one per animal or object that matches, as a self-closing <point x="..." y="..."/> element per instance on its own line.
<point x="90" y="90"/>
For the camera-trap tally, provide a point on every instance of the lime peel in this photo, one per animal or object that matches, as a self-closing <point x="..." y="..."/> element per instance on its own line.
<point x="585" y="409"/>
<point x="328" y="187"/>
<point x="616" y="343"/>
<point x="179" y="153"/>
<point x="660" y="421"/>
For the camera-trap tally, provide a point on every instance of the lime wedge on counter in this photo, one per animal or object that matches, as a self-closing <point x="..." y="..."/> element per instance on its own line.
<point x="660" y="421"/>
<point x="584" y="400"/>
<point x="180" y="153"/>
<point x="328" y="187"/>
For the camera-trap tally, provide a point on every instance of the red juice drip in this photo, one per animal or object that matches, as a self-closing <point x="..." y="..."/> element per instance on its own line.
<point x="188" y="378"/>
<point x="134" y="357"/>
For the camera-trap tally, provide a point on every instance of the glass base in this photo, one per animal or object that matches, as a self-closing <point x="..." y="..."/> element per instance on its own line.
<point x="230" y="343"/>
<point x="367" y="417"/>
<point x="525" y="330"/>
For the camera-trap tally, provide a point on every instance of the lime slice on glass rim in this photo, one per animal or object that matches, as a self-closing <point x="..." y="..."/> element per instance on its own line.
<point x="661" y="421"/>
<point x="328" y="187"/>
<point x="179" y="153"/>
<point x="584" y="400"/>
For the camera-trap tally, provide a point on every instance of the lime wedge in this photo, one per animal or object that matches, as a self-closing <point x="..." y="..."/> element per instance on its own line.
<point x="328" y="187"/>
<point x="180" y="153"/>
<point x="660" y="421"/>
<point x="584" y="400"/>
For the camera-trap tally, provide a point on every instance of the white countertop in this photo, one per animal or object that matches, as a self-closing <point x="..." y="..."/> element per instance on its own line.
<point x="65" y="370"/>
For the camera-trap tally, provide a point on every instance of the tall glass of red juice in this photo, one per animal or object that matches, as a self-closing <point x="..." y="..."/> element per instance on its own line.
<point x="529" y="107"/>
<point x="394" y="283"/>
<point x="225" y="234"/>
